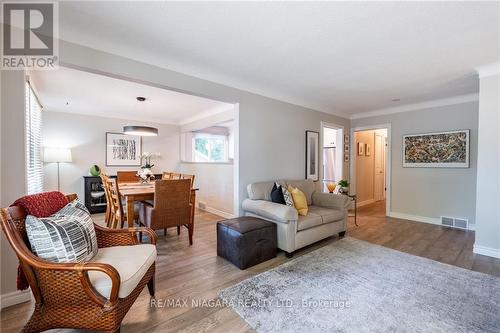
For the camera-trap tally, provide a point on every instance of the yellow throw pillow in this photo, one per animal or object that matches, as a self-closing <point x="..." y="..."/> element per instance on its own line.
<point x="299" y="200"/>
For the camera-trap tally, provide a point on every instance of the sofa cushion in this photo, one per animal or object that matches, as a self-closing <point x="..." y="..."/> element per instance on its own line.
<point x="131" y="262"/>
<point x="311" y="220"/>
<point x="260" y="190"/>
<point x="277" y="194"/>
<point x="299" y="200"/>
<point x="328" y="215"/>
<point x="66" y="236"/>
<point x="305" y="185"/>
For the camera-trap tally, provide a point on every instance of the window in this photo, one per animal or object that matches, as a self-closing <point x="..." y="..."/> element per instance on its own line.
<point x="210" y="148"/>
<point x="33" y="123"/>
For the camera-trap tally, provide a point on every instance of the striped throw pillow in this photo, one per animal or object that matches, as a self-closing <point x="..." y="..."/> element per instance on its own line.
<point x="66" y="236"/>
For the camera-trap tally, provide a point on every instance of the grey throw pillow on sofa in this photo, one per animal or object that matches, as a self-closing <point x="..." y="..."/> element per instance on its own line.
<point x="66" y="236"/>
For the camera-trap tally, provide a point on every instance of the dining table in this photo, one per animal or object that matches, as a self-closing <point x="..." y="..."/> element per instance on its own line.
<point x="137" y="192"/>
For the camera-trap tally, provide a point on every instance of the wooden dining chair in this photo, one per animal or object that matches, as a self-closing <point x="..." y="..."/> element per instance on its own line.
<point x="171" y="176"/>
<point x="104" y="180"/>
<point x="172" y="207"/>
<point x="116" y="217"/>
<point x="190" y="177"/>
<point x="127" y="177"/>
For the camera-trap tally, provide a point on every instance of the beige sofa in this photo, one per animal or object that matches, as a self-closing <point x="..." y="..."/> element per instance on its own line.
<point x="327" y="214"/>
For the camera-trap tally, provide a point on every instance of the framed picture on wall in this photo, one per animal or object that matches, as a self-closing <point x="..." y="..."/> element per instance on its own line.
<point x="346" y="139"/>
<point x="312" y="155"/>
<point x="436" y="150"/>
<point x="361" y="148"/>
<point x="368" y="149"/>
<point x="123" y="150"/>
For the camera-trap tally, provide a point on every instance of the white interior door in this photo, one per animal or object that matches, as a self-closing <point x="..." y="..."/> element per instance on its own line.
<point x="379" y="186"/>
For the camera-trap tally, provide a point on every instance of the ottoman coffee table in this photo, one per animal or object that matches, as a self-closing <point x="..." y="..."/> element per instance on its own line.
<point x="246" y="241"/>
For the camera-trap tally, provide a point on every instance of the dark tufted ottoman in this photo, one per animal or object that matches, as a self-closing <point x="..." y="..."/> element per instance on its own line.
<point x="246" y="241"/>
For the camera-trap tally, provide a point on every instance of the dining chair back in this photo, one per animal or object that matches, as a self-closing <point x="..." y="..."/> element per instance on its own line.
<point x="127" y="177"/>
<point x="171" y="176"/>
<point x="190" y="177"/>
<point x="172" y="207"/>
<point x="104" y="180"/>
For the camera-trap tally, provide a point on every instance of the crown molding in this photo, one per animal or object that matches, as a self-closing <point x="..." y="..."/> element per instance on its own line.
<point x="489" y="70"/>
<point x="418" y="106"/>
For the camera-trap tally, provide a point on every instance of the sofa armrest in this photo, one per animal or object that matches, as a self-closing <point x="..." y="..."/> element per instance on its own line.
<point x="336" y="201"/>
<point x="270" y="210"/>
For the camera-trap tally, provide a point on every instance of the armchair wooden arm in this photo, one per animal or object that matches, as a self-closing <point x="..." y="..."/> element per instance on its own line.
<point x="121" y="237"/>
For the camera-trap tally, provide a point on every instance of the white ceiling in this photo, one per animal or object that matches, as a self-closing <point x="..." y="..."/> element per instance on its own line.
<point x="74" y="91"/>
<point x="338" y="57"/>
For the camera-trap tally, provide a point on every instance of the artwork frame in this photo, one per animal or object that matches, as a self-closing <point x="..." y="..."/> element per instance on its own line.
<point x="312" y="155"/>
<point x="346" y="139"/>
<point x="368" y="149"/>
<point x="454" y="145"/>
<point x="132" y="158"/>
<point x="361" y="148"/>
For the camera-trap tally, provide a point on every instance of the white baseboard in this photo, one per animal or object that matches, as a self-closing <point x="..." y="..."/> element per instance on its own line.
<point x="218" y="212"/>
<point x="366" y="202"/>
<point x="425" y="219"/>
<point x="15" y="297"/>
<point x="486" y="251"/>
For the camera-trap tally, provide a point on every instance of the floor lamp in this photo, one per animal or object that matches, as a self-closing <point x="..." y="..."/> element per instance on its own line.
<point x="57" y="155"/>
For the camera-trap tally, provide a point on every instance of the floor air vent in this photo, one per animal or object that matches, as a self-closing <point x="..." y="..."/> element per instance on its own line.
<point x="455" y="222"/>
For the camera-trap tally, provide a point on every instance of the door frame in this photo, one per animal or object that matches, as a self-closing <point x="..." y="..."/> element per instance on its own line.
<point x="388" y="161"/>
<point x="333" y="126"/>
<point x="384" y="152"/>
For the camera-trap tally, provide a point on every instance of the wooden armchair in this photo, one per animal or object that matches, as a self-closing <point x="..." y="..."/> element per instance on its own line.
<point x="64" y="295"/>
<point x="173" y="206"/>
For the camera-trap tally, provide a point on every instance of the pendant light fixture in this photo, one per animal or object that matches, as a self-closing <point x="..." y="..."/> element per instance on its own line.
<point x="140" y="130"/>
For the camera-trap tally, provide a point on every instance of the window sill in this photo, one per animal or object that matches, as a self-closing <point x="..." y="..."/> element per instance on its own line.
<point x="222" y="163"/>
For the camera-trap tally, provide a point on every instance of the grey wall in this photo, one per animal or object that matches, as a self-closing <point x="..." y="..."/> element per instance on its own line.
<point x="13" y="171"/>
<point x="271" y="135"/>
<point x="488" y="173"/>
<point x="432" y="192"/>
<point x="85" y="135"/>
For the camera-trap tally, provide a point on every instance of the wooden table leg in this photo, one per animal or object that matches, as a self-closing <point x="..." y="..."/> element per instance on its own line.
<point x="130" y="211"/>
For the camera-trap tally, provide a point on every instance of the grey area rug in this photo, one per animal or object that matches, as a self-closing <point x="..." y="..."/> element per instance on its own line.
<point x="354" y="286"/>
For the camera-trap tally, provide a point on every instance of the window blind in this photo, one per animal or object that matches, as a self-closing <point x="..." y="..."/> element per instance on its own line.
<point x="33" y="121"/>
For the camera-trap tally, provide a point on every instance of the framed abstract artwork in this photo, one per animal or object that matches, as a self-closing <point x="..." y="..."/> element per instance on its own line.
<point x="312" y="155"/>
<point x="123" y="150"/>
<point x="437" y="150"/>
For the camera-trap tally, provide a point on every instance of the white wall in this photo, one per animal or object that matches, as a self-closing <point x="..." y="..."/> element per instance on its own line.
<point x="215" y="181"/>
<point x="431" y="192"/>
<point x="13" y="173"/>
<point x="488" y="168"/>
<point x="215" y="184"/>
<point x="86" y="136"/>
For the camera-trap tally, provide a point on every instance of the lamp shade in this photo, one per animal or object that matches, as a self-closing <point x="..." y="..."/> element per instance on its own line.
<point x="140" y="130"/>
<point x="57" y="155"/>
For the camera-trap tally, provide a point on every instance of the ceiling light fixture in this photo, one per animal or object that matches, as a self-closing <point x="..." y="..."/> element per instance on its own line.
<point x="395" y="99"/>
<point x="140" y="130"/>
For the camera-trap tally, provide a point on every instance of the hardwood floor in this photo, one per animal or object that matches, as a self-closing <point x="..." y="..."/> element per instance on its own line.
<point x="195" y="272"/>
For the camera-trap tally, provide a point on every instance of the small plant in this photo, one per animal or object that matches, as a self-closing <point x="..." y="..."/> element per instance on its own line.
<point x="344" y="183"/>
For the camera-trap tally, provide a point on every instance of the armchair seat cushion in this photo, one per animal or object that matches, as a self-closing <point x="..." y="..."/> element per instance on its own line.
<point x="311" y="220"/>
<point x="327" y="214"/>
<point x="131" y="262"/>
